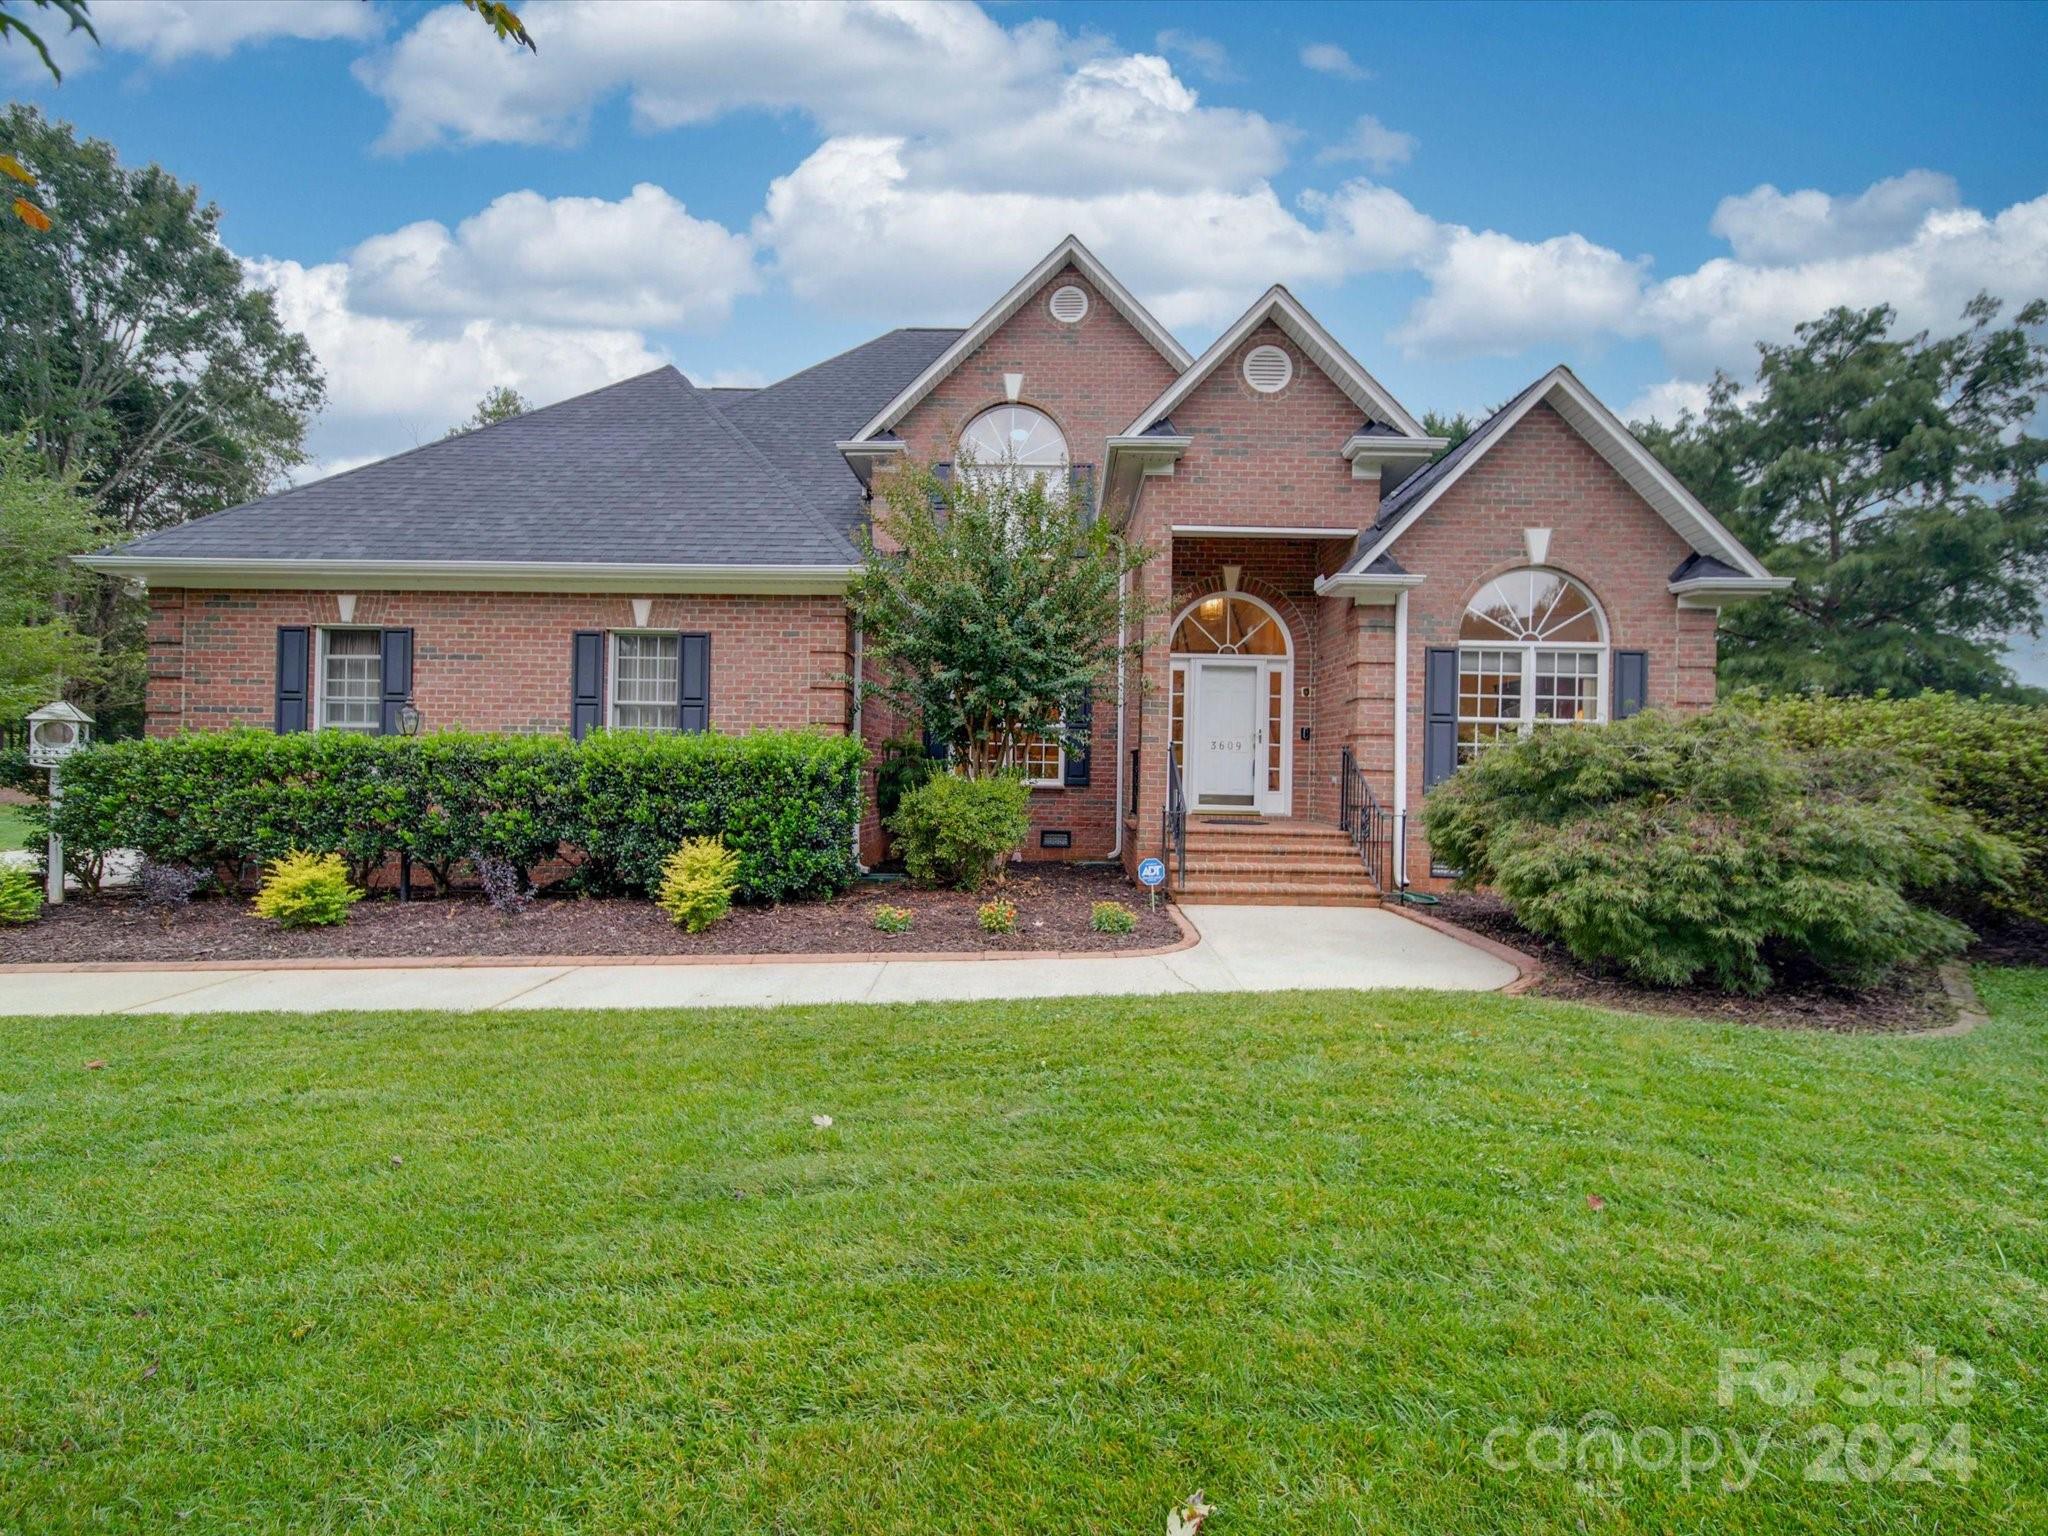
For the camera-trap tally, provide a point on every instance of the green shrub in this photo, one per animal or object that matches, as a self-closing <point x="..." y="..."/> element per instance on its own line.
<point x="1112" y="917"/>
<point x="890" y="919"/>
<point x="902" y="765"/>
<point x="786" y="803"/>
<point x="21" y="895"/>
<point x="306" y="890"/>
<point x="1677" y="848"/>
<point x="1980" y="756"/>
<point x="997" y="916"/>
<point x="697" y="883"/>
<point x="957" y="832"/>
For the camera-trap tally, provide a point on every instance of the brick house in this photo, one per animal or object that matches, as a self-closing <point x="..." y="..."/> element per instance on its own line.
<point x="1344" y="612"/>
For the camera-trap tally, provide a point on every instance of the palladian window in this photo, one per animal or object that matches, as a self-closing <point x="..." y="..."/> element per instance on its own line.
<point x="1014" y="439"/>
<point x="1532" y="650"/>
<point x="1229" y="626"/>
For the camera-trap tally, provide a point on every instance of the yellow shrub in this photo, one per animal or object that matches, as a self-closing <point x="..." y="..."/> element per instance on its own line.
<point x="697" y="882"/>
<point x="304" y="890"/>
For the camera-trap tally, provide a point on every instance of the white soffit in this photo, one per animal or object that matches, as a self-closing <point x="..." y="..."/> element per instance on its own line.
<point x="1306" y="332"/>
<point x="1561" y="390"/>
<point x="1069" y="252"/>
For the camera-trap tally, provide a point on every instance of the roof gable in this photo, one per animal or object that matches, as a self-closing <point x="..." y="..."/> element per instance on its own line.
<point x="1306" y="332"/>
<point x="1604" y="433"/>
<point x="1069" y="252"/>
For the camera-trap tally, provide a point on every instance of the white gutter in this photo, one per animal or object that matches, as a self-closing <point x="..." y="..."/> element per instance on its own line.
<point x="1712" y="591"/>
<point x="474" y="575"/>
<point x="859" y="648"/>
<point x="1369" y="589"/>
<point x="1401" y="739"/>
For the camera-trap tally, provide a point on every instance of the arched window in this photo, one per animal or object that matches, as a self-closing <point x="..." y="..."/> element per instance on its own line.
<point x="1012" y="439"/>
<point x="1532" y="650"/>
<point x="1230" y="624"/>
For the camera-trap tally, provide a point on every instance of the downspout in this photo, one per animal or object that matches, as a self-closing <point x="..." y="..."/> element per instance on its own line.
<point x="1401" y="738"/>
<point x="858" y="648"/>
<point x="1123" y="663"/>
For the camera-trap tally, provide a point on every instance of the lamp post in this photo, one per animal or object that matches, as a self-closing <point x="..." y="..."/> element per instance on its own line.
<point x="408" y="725"/>
<point x="55" y="732"/>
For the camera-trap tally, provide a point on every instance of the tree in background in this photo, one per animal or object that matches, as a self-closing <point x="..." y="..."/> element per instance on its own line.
<point x="1895" y="481"/>
<point x="1453" y="429"/>
<point x="142" y="367"/>
<point x="43" y="523"/>
<point x="500" y="404"/>
<point x="991" y="604"/>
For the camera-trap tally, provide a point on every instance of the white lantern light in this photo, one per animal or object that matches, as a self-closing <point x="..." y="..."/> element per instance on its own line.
<point x="55" y="732"/>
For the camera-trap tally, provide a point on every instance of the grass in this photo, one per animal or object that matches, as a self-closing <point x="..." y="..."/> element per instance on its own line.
<point x="1053" y="1265"/>
<point x="15" y="831"/>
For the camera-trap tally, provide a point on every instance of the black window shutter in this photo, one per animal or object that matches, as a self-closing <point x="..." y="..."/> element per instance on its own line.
<point x="394" y="666"/>
<point x="693" y="683"/>
<point x="294" y="670"/>
<point x="943" y="473"/>
<point x="586" y="682"/>
<point x="1631" y="682"/>
<point x="935" y="748"/>
<point x="1439" y="715"/>
<point x="1080" y="716"/>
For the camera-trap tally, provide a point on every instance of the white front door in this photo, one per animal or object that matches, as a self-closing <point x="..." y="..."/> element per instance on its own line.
<point x="1228" y="743"/>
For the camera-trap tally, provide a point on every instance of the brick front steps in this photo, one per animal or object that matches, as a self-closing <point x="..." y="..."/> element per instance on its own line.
<point x="1272" y="863"/>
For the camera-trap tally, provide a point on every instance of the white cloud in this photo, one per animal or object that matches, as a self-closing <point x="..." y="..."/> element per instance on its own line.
<point x="898" y="66"/>
<point x="1667" y="402"/>
<point x="1776" y="228"/>
<point x="642" y="261"/>
<point x="852" y="227"/>
<point x="1207" y="57"/>
<point x="1491" y="294"/>
<point x="1329" y="59"/>
<point x="166" y="31"/>
<point x="394" y="382"/>
<point x="1380" y="147"/>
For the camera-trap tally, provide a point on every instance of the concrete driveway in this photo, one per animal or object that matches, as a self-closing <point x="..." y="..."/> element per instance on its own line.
<point x="1241" y="949"/>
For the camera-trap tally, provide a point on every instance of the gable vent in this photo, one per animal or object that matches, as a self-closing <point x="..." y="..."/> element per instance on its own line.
<point x="1268" y="369"/>
<point x="1068" y="304"/>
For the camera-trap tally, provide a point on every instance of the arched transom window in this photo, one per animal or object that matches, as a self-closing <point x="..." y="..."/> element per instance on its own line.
<point x="1229" y="625"/>
<point x="1532" y="650"/>
<point x="1014" y="438"/>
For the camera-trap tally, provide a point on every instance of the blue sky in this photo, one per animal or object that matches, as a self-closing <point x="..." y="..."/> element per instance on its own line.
<point x="1465" y="195"/>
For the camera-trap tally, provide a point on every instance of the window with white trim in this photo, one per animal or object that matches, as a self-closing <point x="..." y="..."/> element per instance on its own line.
<point x="1040" y="757"/>
<point x="1532" y="651"/>
<point x="1015" y="440"/>
<point x="351" y="680"/>
<point x="646" y="677"/>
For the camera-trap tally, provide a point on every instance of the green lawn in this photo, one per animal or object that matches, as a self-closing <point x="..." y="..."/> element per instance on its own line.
<point x="1053" y="1265"/>
<point x="14" y="827"/>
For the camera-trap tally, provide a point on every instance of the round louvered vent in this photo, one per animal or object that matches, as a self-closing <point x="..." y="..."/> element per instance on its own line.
<point x="1068" y="304"/>
<point x="1268" y="369"/>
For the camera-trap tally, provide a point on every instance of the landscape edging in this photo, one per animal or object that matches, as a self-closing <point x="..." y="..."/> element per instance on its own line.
<point x="1188" y="939"/>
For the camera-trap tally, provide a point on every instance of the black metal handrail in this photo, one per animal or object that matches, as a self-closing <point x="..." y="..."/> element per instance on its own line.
<point x="1174" y="822"/>
<point x="1370" y="824"/>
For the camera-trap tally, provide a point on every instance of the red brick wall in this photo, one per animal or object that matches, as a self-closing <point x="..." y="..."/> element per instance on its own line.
<point x="1604" y="535"/>
<point x="496" y="661"/>
<point x="1092" y="378"/>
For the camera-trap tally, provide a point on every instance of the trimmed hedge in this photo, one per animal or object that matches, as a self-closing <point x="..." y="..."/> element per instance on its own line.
<point x="617" y="804"/>
<point x="1980" y="756"/>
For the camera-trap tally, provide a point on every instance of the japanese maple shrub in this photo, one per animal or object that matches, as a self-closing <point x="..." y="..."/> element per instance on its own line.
<point x="1673" y="849"/>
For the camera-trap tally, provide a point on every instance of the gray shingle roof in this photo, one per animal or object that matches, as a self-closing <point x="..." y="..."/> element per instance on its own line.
<point x="651" y="470"/>
<point x="797" y="420"/>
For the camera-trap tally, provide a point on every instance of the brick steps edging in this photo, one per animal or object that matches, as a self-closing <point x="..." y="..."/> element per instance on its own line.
<point x="1187" y="940"/>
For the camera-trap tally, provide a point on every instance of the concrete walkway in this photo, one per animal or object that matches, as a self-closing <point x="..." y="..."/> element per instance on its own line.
<point x="1242" y="949"/>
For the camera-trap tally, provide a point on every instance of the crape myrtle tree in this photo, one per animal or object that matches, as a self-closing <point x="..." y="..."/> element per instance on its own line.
<point x="991" y="604"/>
<point x="1895" y="480"/>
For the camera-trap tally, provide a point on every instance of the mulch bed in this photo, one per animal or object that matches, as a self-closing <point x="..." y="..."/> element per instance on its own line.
<point x="1916" y="1001"/>
<point x="1053" y="904"/>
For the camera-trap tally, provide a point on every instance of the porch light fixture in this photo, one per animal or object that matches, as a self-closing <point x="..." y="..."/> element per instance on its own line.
<point x="408" y="719"/>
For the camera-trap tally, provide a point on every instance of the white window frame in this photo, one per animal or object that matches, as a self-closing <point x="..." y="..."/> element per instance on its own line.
<point x="1058" y="479"/>
<point x="1528" y="720"/>
<point x="1059" y="772"/>
<point x="320" y="721"/>
<point x="611" y="681"/>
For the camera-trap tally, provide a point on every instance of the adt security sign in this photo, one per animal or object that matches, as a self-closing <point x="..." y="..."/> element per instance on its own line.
<point x="1152" y="872"/>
